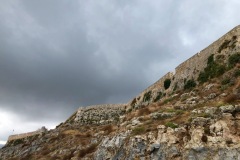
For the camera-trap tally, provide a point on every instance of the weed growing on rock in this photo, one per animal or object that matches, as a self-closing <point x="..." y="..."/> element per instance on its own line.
<point x="138" y="130"/>
<point x="171" y="125"/>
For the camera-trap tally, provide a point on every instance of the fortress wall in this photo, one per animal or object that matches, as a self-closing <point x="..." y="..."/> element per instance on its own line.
<point x="158" y="86"/>
<point x="160" y="83"/>
<point x="23" y="135"/>
<point x="101" y="106"/>
<point x="191" y="68"/>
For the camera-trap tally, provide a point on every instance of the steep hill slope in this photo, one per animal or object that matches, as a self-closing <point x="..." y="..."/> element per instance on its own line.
<point x="193" y="113"/>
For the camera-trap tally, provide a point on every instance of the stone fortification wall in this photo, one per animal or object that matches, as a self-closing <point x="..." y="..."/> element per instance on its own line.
<point x="191" y="68"/>
<point x="99" y="114"/>
<point x="159" y="85"/>
<point x="23" y="135"/>
<point x="154" y="88"/>
<point x="28" y="134"/>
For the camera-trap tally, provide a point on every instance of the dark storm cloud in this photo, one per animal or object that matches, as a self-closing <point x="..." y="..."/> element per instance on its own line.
<point x="58" y="55"/>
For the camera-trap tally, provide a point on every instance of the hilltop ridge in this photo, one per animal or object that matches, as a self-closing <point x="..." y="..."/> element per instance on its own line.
<point x="192" y="113"/>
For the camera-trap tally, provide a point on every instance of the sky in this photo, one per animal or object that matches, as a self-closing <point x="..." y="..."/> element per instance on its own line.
<point x="58" y="55"/>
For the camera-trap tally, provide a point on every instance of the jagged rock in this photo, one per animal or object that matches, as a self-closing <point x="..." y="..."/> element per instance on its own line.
<point x="157" y="115"/>
<point x="223" y="95"/>
<point x="136" y="122"/>
<point x="212" y="95"/>
<point x="197" y="111"/>
<point x="166" y="135"/>
<point x="196" y="139"/>
<point x="208" y="87"/>
<point x="210" y="110"/>
<point x="228" y="108"/>
<point x="200" y="121"/>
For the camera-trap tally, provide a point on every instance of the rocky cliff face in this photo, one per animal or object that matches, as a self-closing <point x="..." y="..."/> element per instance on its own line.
<point x="198" y="118"/>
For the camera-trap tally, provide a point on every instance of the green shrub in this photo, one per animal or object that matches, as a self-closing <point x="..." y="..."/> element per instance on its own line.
<point x="212" y="70"/>
<point x="219" y="70"/>
<point x="138" y="130"/>
<point x="147" y="96"/>
<point x="226" y="81"/>
<point x="237" y="73"/>
<point x="203" y="77"/>
<point x="233" y="60"/>
<point x="171" y="125"/>
<point x="18" y="141"/>
<point x="210" y="60"/>
<point x="167" y="83"/>
<point x="224" y="45"/>
<point x="190" y="84"/>
<point x="158" y="97"/>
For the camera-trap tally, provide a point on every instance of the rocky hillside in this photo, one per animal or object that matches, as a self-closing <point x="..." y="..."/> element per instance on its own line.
<point x="193" y="114"/>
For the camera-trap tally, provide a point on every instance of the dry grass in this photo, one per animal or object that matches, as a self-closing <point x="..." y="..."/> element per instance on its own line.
<point x="143" y="111"/>
<point x="68" y="156"/>
<point x="71" y="132"/>
<point x="77" y="133"/>
<point x="131" y="115"/>
<point x="108" y="129"/>
<point x="139" y="130"/>
<point x="230" y="98"/>
<point x="45" y="151"/>
<point x="83" y="152"/>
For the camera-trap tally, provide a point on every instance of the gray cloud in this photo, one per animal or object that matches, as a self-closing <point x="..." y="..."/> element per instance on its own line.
<point x="58" y="55"/>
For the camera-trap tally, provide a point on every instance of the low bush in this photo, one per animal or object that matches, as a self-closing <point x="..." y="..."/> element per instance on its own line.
<point x="233" y="60"/>
<point x="190" y="84"/>
<point x="18" y="141"/>
<point x="147" y="96"/>
<point x="212" y="70"/>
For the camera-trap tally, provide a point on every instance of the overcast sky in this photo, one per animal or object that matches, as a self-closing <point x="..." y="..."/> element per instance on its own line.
<point x="58" y="55"/>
